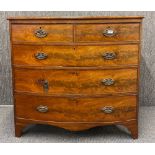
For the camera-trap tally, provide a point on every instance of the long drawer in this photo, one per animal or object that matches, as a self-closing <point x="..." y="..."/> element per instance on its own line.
<point x="45" y="108"/>
<point x="107" y="32"/>
<point x="106" y="56"/>
<point x="76" y="81"/>
<point x="40" y="33"/>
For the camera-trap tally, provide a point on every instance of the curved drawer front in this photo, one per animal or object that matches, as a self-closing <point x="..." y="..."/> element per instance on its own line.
<point x="76" y="109"/>
<point x="107" y="81"/>
<point x="109" y="55"/>
<point x="44" y="55"/>
<point x="76" y="81"/>
<point x="42" y="33"/>
<point x="107" y="32"/>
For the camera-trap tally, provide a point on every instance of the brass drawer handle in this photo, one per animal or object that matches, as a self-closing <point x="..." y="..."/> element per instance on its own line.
<point x="41" y="56"/>
<point x="42" y="109"/>
<point x="109" y="32"/>
<point x="107" y="110"/>
<point x="40" y="33"/>
<point x="109" y="55"/>
<point x="108" y="82"/>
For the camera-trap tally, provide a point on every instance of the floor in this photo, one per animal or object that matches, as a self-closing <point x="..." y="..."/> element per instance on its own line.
<point x="50" y="134"/>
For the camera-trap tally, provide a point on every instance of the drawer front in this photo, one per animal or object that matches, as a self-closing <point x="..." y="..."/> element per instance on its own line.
<point x="107" y="81"/>
<point x="107" y="32"/>
<point x="44" y="55"/>
<point x="110" y="55"/>
<point x="76" y="81"/>
<point x="42" y="33"/>
<point x="108" y="109"/>
<point x="106" y="56"/>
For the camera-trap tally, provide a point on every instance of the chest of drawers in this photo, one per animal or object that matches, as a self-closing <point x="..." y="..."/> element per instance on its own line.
<point x="76" y="73"/>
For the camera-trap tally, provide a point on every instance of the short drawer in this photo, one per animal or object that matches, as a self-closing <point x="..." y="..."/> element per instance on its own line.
<point x="106" y="109"/>
<point x="76" y="81"/>
<point x="107" y="32"/>
<point x="83" y="56"/>
<point x="42" y="33"/>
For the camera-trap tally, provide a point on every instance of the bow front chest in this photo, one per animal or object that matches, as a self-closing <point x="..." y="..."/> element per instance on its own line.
<point x="75" y="73"/>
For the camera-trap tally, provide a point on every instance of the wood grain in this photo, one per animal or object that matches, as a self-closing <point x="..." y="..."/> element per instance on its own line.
<point x="57" y="55"/>
<point x="70" y="82"/>
<point x="147" y="85"/>
<point x="93" y="55"/>
<point x="75" y="81"/>
<point x="132" y="126"/>
<point x="76" y="109"/>
<point x="56" y="33"/>
<point x="74" y="126"/>
<point x="78" y="18"/>
<point x="75" y="56"/>
<point x="94" y="32"/>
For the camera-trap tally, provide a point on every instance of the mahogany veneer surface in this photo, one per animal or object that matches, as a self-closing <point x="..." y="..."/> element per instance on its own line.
<point x="76" y="73"/>
<point x="75" y="56"/>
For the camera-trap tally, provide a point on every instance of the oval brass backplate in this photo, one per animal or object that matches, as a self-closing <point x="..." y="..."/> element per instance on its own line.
<point x="109" y="55"/>
<point x="42" y="109"/>
<point x="40" y="33"/>
<point x="107" y="110"/>
<point x="108" y="82"/>
<point x="41" y="55"/>
<point x="109" y="32"/>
